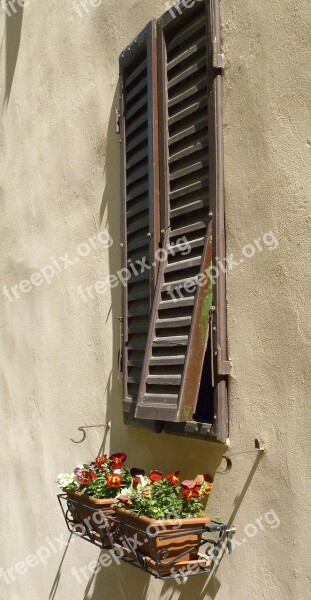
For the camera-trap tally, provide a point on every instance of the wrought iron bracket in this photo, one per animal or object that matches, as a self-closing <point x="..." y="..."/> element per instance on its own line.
<point x="84" y="427"/>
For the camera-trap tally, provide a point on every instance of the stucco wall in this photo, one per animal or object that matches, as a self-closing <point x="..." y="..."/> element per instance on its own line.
<point x="59" y="187"/>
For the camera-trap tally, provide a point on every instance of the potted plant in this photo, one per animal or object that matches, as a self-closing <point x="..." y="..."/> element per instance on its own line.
<point x="166" y="516"/>
<point x="93" y="487"/>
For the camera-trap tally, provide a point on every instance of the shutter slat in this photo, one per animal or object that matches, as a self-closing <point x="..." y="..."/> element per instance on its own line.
<point x="197" y="66"/>
<point x="156" y="361"/>
<point x="187" y="32"/>
<point x="164" y="379"/>
<point x="201" y="43"/>
<point x="135" y="72"/>
<point x="175" y="322"/>
<point x="141" y="85"/>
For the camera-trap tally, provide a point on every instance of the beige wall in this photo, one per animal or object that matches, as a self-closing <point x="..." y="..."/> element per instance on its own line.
<point x="59" y="186"/>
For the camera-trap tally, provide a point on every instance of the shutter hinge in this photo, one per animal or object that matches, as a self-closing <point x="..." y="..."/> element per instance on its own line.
<point x="197" y="428"/>
<point x="218" y="57"/>
<point x="224" y="367"/>
<point x="117" y="121"/>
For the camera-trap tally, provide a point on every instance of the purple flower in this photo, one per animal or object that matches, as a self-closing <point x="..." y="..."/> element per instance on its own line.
<point x="78" y="472"/>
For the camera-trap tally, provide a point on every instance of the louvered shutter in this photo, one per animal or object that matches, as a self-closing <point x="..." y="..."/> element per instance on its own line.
<point x="139" y="191"/>
<point x="179" y="326"/>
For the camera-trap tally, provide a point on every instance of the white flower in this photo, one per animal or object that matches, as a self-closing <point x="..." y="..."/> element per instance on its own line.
<point x="143" y="480"/>
<point x="117" y="471"/>
<point x="64" y="479"/>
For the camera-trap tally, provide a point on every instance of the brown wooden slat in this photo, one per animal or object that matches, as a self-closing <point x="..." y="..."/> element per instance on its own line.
<point x="188" y="110"/>
<point x="192" y="88"/>
<point x="173" y="322"/>
<point x="137" y="107"/>
<point x="167" y="360"/>
<point x="136" y="140"/>
<point x="138" y="87"/>
<point x="137" y="157"/>
<point x="200" y="43"/>
<point x="187" y="32"/>
<point x="136" y="72"/>
<point x="183" y="264"/>
<point x="201" y="123"/>
<point x="164" y="379"/>
<point x="188" y="208"/>
<point x="197" y="66"/>
<point x="201" y="145"/>
<point x="179" y="302"/>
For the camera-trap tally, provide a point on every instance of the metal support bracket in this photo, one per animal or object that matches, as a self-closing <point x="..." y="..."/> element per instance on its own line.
<point x="84" y="427"/>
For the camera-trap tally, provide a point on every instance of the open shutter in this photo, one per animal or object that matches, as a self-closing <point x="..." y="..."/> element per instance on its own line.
<point x="179" y="327"/>
<point x="139" y="190"/>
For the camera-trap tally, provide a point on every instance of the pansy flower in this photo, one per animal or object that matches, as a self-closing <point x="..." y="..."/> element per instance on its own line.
<point x="114" y="480"/>
<point x="155" y="476"/>
<point x="100" y="461"/>
<point x="173" y="478"/>
<point x="189" y="494"/>
<point x="117" y="460"/>
<point x="88" y="477"/>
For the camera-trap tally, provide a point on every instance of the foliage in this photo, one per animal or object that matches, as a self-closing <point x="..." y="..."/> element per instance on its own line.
<point x="102" y="478"/>
<point x="162" y="496"/>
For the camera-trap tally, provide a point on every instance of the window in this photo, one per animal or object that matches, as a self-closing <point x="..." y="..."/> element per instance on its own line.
<point x="174" y="354"/>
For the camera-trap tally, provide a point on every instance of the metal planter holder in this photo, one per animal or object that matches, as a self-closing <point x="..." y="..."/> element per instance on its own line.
<point x="215" y="539"/>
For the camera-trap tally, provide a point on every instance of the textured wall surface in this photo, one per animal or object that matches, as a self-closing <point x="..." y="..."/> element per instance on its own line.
<point x="58" y="354"/>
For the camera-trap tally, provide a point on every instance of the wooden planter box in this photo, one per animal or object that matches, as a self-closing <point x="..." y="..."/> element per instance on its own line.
<point x="163" y="552"/>
<point x="83" y="509"/>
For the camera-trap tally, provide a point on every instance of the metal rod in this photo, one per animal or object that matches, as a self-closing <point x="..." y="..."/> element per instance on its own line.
<point x="84" y="427"/>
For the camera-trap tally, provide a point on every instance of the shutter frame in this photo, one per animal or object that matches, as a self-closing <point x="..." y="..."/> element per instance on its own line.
<point x="144" y="42"/>
<point x="164" y="406"/>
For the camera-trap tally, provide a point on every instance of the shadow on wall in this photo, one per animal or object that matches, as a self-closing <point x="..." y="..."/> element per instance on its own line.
<point x="13" y="30"/>
<point x="190" y="456"/>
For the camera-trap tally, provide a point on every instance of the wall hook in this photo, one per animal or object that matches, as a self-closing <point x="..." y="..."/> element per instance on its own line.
<point x="84" y="427"/>
<point x="260" y="447"/>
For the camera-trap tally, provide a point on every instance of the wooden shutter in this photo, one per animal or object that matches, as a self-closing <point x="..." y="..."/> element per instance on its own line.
<point x="139" y="190"/>
<point x="178" y="333"/>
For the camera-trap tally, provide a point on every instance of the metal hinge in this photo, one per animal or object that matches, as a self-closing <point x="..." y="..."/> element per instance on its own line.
<point x="224" y="367"/>
<point x="117" y="121"/>
<point x="196" y="428"/>
<point x="218" y="57"/>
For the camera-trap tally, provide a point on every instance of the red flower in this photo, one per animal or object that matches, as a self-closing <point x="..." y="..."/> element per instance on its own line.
<point x="188" y="494"/>
<point x="136" y="482"/>
<point x="155" y="476"/>
<point x="125" y="500"/>
<point x="173" y="478"/>
<point x="100" y="460"/>
<point x="87" y="477"/>
<point x="117" y="460"/>
<point x="114" y="480"/>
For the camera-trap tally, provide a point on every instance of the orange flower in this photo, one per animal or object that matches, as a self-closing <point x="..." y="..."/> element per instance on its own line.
<point x="207" y="487"/>
<point x="114" y="480"/>
<point x="155" y="476"/>
<point x="173" y="478"/>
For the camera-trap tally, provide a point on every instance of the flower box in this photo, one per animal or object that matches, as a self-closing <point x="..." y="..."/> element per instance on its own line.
<point x="169" y="543"/>
<point x="91" y="513"/>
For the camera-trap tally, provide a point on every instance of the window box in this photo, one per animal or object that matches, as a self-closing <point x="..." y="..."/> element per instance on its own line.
<point x="168" y="543"/>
